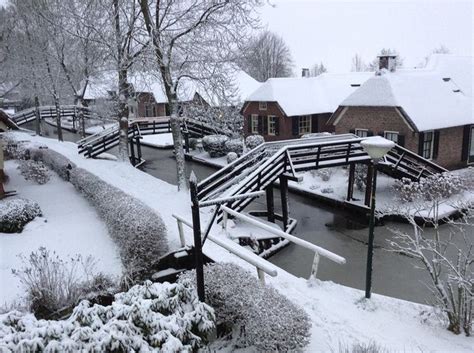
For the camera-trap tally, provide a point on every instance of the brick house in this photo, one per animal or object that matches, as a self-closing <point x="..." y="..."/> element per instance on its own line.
<point x="429" y="110"/>
<point x="287" y="108"/>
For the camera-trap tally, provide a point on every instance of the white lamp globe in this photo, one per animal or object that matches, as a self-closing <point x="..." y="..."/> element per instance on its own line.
<point x="377" y="146"/>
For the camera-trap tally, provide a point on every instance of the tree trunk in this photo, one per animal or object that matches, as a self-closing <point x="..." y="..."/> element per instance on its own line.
<point x="38" y="116"/>
<point x="58" y="118"/>
<point x="178" y="146"/>
<point x="123" y="115"/>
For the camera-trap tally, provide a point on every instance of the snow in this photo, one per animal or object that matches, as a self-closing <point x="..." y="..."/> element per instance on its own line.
<point x="158" y="140"/>
<point x="338" y="313"/>
<point x="98" y="128"/>
<point x="309" y="95"/>
<point x="429" y="101"/>
<point x="69" y="226"/>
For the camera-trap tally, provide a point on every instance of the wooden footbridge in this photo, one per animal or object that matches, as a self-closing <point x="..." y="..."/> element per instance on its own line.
<point x="49" y="112"/>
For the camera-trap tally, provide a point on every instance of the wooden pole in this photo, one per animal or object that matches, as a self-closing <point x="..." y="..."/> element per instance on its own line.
<point x="270" y="204"/>
<point x="132" y="152"/>
<point x="350" y="185"/>
<point x="284" y="201"/>
<point x="197" y="236"/>
<point x="186" y="141"/>
<point x="368" y="184"/>
<point x="139" y="148"/>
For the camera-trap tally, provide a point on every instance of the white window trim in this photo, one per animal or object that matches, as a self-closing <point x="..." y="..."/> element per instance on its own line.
<point x="366" y="130"/>
<point x="432" y="144"/>
<point x="254" y="117"/>
<point x="391" y="132"/>
<point x="269" y="117"/>
<point x="262" y="105"/>
<point x="309" y="125"/>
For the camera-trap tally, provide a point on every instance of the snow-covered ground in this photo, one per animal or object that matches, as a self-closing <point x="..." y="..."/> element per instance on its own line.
<point x="159" y="140"/>
<point x="338" y="313"/>
<point x="98" y="128"/>
<point x="69" y="226"/>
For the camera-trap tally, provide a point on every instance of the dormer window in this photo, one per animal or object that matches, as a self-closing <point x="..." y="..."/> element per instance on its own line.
<point x="262" y="105"/>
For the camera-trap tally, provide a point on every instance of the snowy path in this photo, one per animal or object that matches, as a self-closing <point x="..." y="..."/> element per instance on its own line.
<point x="69" y="226"/>
<point x="335" y="311"/>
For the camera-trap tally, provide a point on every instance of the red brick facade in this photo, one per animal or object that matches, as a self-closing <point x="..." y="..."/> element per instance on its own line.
<point x="287" y="127"/>
<point x="449" y="141"/>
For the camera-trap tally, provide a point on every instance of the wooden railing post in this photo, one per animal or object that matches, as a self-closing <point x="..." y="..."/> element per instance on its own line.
<point x="270" y="204"/>
<point x="261" y="276"/>
<point x="284" y="201"/>
<point x="181" y="233"/>
<point x="314" y="267"/>
<point x="197" y="236"/>
<point x="350" y="185"/>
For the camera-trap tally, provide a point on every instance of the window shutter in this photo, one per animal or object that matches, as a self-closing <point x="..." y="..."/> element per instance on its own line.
<point x="421" y="137"/>
<point x="249" y="124"/>
<point x="370" y="133"/>
<point x="314" y="124"/>
<point x="435" y="144"/>
<point x="465" y="143"/>
<point x="277" y="126"/>
<point x="352" y="131"/>
<point x="295" y="125"/>
<point x="401" y="140"/>
<point x="265" y="125"/>
<point x="260" y="125"/>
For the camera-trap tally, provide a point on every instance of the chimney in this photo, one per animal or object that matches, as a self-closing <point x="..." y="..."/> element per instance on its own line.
<point x="387" y="62"/>
<point x="304" y="72"/>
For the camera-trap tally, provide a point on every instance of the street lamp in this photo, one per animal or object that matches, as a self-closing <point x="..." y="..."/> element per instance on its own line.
<point x="376" y="147"/>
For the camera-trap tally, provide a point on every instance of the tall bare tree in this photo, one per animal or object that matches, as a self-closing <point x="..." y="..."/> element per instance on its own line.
<point x="192" y="41"/>
<point x="358" y="64"/>
<point x="267" y="55"/>
<point x="317" y="69"/>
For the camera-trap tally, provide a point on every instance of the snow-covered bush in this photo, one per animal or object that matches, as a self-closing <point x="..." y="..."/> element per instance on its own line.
<point x="54" y="160"/>
<point x="150" y="317"/>
<point x="34" y="170"/>
<point x="324" y="174"/>
<point x="231" y="156"/>
<point x="14" y="149"/>
<point x="266" y="319"/>
<point x="327" y="190"/>
<point x="15" y="213"/>
<point x="138" y="230"/>
<point x="234" y="145"/>
<point x="193" y="142"/>
<point x="253" y="141"/>
<point x="215" y="145"/>
<point x="53" y="283"/>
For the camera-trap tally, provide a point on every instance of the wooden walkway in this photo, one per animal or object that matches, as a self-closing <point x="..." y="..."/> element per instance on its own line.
<point x="67" y="111"/>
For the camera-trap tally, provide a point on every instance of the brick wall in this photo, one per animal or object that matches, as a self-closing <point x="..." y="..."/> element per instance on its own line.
<point x="285" y="122"/>
<point x="380" y="119"/>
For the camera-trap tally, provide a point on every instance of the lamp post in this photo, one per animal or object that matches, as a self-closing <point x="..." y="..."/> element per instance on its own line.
<point x="376" y="147"/>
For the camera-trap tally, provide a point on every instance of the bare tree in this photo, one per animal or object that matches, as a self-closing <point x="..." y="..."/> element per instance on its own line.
<point x="439" y="50"/>
<point x="358" y="64"/>
<point x="447" y="258"/>
<point x="317" y="69"/>
<point x="266" y="56"/>
<point x="192" y="40"/>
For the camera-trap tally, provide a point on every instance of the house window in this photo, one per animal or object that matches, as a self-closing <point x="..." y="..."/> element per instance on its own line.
<point x="391" y="135"/>
<point x="149" y="110"/>
<point x="471" y="146"/>
<point x="262" y="105"/>
<point x="254" y="124"/>
<point x="305" y="124"/>
<point x="272" y="125"/>
<point x="362" y="132"/>
<point x="428" y="139"/>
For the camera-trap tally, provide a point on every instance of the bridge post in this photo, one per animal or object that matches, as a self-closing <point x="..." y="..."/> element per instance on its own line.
<point x="284" y="201"/>
<point x="270" y="204"/>
<point x="350" y="185"/>
<point x="132" y="152"/>
<point x="186" y="141"/>
<point x="139" y="148"/>
<point x="197" y="236"/>
<point x="368" y="184"/>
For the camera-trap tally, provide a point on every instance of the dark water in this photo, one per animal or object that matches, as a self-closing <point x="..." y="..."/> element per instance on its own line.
<point x="336" y="230"/>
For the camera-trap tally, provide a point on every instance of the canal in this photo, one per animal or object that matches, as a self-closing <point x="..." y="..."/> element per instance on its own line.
<point x="336" y="230"/>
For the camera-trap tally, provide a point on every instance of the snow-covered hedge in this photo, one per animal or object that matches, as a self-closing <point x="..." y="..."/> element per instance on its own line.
<point x="34" y="170"/>
<point x="231" y="156"/>
<point x="15" y="213"/>
<point x="54" y="160"/>
<point x="215" y="145"/>
<point x="138" y="231"/>
<point x="234" y="145"/>
<point x="150" y="317"/>
<point x="253" y="141"/>
<point x="266" y="319"/>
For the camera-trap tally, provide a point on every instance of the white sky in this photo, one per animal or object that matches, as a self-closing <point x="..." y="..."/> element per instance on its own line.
<point x="333" y="31"/>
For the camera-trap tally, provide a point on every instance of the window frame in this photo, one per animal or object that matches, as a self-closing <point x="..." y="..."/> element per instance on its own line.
<point x="262" y="106"/>
<point x="366" y="131"/>
<point x="254" y="123"/>
<point x="271" y="123"/>
<point x="470" y="157"/>
<point x="149" y="110"/>
<point x="388" y="132"/>
<point x="431" y="149"/>
<point x="307" y="123"/>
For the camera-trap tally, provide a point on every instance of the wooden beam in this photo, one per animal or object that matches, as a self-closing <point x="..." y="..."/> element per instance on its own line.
<point x="270" y="204"/>
<point x="350" y="185"/>
<point x="284" y="200"/>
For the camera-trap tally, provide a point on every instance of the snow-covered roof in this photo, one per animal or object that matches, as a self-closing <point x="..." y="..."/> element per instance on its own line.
<point x="241" y="85"/>
<point x="437" y="96"/>
<point x="309" y="95"/>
